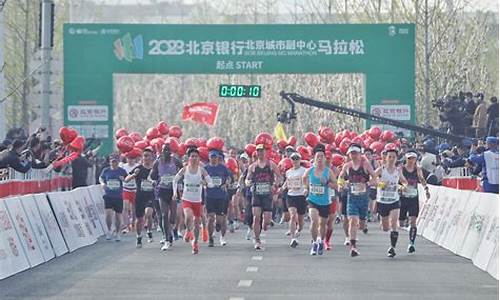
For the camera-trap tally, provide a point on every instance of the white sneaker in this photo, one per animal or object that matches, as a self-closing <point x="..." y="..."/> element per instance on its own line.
<point x="109" y="235"/>
<point x="288" y="233"/>
<point x="222" y="241"/>
<point x="248" y="236"/>
<point x="118" y="238"/>
<point x="165" y="246"/>
<point x="347" y="242"/>
<point x="297" y="234"/>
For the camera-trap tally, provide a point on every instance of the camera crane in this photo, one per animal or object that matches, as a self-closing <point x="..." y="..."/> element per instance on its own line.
<point x="292" y="98"/>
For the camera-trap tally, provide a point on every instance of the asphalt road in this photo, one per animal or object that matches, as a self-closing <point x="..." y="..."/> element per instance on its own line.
<point x="117" y="270"/>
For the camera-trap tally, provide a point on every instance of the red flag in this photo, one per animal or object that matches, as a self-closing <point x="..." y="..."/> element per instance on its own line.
<point x="201" y="112"/>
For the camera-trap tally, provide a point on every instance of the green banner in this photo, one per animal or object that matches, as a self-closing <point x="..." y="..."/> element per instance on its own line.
<point x="385" y="53"/>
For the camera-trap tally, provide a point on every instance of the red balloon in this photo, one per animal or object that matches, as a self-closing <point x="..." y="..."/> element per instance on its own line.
<point x="285" y="164"/>
<point x="292" y="141"/>
<point x="158" y="144"/>
<point x="232" y="165"/>
<point x="182" y="149"/>
<point x="388" y="136"/>
<point x="162" y="128"/>
<point x="250" y="149"/>
<point x="78" y="143"/>
<point x="134" y="153"/>
<point x="352" y="135"/>
<point x="337" y="160"/>
<point x="327" y="135"/>
<point x="125" y="144"/>
<point x="175" y="131"/>
<point x="358" y="141"/>
<point x="377" y="147"/>
<point x="282" y="144"/>
<point x="136" y="136"/>
<point x="329" y="148"/>
<point x="121" y="132"/>
<point x="173" y="144"/>
<point x="344" y="146"/>
<point x="367" y="142"/>
<point x="390" y="146"/>
<point x="311" y="139"/>
<point x="375" y="133"/>
<point x="304" y="152"/>
<point x="215" y="143"/>
<point x="203" y="153"/>
<point x="192" y="142"/>
<point x="67" y="134"/>
<point x="265" y="139"/>
<point x="152" y="133"/>
<point x="305" y="163"/>
<point x="141" y="145"/>
<point x="328" y="155"/>
<point x="202" y="142"/>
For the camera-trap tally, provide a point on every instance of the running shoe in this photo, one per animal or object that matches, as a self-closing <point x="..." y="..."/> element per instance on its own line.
<point x="217" y="227"/>
<point x="297" y="234"/>
<point x="125" y="231"/>
<point x="391" y="252"/>
<point x="166" y="246"/>
<point x="231" y="227"/>
<point x="248" y="236"/>
<point x="347" y="242"/>
<point x="188" y="236"/>
<point x="195" y="247"/>
<point x="210" y="242"/>
<point x="150" y="237"/>
<point x="109" y="235"/>
<point x="411" y="248"/>
<point x="222" y="241"/>
<point x="118" y="238"/>
<point x="138" y="243"/>
<point x="337" y="220"/>
<point x="176" y="235"/>
<point x="321" y="247"/>
<point x="328" y="247"/>
<point x="314" y="248"/>
<point x="204" y="235"/>
<point x="258" y="245"/>
<point x="294" y="243"/>
<point x="162" y="241"/>
<point x="354" y="252"/>
<point x="288" y="233"/>
<point x="365" y="230"/>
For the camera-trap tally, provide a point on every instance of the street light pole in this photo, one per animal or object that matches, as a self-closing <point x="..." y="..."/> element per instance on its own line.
<point x="46" y="44"/>
<point x="427" y="80"/>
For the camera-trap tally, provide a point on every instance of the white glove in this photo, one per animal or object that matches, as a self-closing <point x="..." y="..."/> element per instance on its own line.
<point x="48" y="169"/>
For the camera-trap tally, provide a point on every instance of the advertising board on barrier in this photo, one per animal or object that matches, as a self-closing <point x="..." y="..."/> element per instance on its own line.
<point x="90" y="211"/>
<point x="482" y="256"/>
<point x="29" y="205"/>
<point x="50" y="223"/>
<point x="96" y="193"/>
<point x="12" y="257"/>
<point x="24" y="230"/>
<point x="79" y="203"/>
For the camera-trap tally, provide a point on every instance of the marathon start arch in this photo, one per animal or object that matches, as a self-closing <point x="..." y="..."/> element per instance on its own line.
<point x="384" y="53"/>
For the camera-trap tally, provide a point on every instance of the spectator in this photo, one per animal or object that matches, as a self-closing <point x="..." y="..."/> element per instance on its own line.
<point x="12" y="158"/>
<point x="427" y="159"/>
<point x="470" y="109"/>
<point x="459" y="158"/>
<point x="492" y="113"/>
<point x="80" y="167"/>
<point x="480" y="120"/>
<point x="488" y="161"/>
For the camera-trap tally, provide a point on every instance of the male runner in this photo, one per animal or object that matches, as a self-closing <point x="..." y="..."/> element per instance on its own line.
<point x="129" y="190"/>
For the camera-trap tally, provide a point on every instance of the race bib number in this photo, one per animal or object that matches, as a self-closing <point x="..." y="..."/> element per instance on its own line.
<point x="146" y="186"/>
<point x="263" y="188"/>
<point x="295" y="184"/>
<point x="166" y="180"/>
<point x="332" y="193"/>
<point x="317" y="189"/>
<point x="192" y="188"/>
<point x="113" y="184"/>
<point x="410" y="192"/>
<point x="358" y="188"/>
<point x="217" y="181"/>
<point x="389" y="194"/>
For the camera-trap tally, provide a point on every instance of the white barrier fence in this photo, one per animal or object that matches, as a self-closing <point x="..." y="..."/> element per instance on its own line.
<point x="464" y="222"/>
<point x="36" y="228"/>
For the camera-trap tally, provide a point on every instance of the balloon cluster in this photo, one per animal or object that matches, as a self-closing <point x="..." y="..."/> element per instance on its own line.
<point x="71" y="139"/>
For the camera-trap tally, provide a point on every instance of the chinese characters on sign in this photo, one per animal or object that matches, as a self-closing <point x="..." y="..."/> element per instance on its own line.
<point x="395" y="112"/>
<point x="88" y="113"/>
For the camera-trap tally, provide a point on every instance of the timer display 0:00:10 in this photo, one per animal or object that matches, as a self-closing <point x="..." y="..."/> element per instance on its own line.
<point x="251" y="91"/>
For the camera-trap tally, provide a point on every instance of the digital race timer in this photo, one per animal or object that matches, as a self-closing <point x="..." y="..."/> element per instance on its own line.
<point x="239" y="91"/>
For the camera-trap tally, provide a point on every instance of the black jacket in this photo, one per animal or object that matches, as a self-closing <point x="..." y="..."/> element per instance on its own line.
<point x="10" y="158"/>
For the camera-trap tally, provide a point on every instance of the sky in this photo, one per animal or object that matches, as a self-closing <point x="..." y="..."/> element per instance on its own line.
<point x="475" y="4"/>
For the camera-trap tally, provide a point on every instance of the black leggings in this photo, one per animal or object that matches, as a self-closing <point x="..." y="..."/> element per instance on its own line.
<point x="168" y="211"/>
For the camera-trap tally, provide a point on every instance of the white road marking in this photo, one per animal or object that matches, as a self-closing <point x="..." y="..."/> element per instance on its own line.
<point x="257" y="257"/>
<point x="236" y="298"/>
<point x="252" y="269"/>
<point x="244" y="283"/>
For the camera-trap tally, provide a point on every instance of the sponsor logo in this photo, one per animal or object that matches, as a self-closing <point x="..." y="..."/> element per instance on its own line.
<point x="128" y="48"/>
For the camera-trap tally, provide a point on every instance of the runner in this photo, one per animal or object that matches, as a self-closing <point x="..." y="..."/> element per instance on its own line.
<point x="216" y="198"/>
<point x="295" y="198"/>
<point x="194" y="177"/>
<point x="318" y="180"/>
<point x="262" y="175"/>
<point x="246" y="194"/>
<point x="144" y="196"/>
<point x="372" y="192"/>
<point x="129" y="190"/>
<point x="112" y="181"/>
<point x="163" y="173"/>
<point x="388" y="196"/>
<point x="409" y="197"/>
<point x="358" y="172"/>
<point x="333" y="210"/>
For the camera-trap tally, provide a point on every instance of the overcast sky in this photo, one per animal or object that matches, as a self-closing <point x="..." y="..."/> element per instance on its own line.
<point x="475" y="4"/>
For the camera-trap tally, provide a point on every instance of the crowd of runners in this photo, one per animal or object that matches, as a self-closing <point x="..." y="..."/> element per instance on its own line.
<point x="195" y="199"/>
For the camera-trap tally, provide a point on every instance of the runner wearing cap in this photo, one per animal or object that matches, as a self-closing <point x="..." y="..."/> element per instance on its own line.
<point x="358" y="171"/>
<point x="389" y="176"/>
<point x="144" y="196"/>
<point x="297" y="204"/>
<point x="262" y="177"/>
<point x="129" y="190"/>
<point x="409" y="197"/>
<point x="164" y="170"/>
<point x="194" y="177"/>
<point x="318" y="179"/>
<point x="216" y="197"/>
<point x="112" y="181"/>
